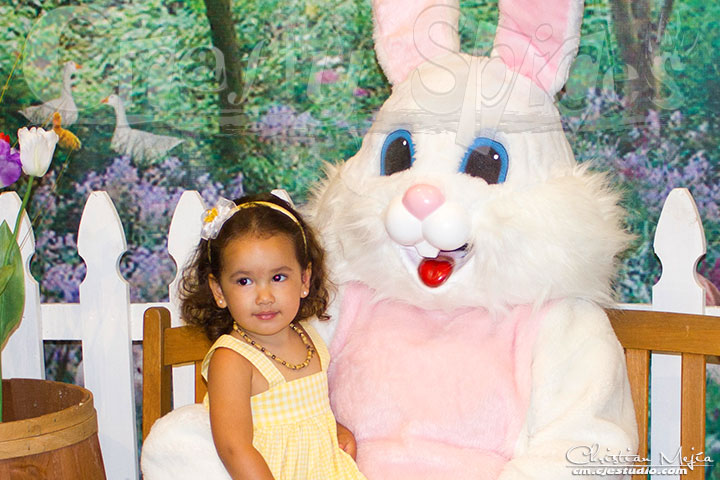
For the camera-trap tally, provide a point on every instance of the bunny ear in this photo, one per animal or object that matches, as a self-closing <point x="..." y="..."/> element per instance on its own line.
<point x="409" y="32"/>
<point x="539" y="39"/>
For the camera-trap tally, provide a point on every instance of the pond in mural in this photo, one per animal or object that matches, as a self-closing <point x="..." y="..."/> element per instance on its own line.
<point x="162" y="103"/>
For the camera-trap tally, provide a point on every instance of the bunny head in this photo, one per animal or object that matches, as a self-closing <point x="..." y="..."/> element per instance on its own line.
<point x="465" y="191"/>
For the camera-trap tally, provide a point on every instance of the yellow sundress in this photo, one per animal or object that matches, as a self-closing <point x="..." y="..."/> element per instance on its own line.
<point x="293" y="427"/>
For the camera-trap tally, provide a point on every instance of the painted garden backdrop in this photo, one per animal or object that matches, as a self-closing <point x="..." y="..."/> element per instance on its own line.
<point x="275" y="89"/>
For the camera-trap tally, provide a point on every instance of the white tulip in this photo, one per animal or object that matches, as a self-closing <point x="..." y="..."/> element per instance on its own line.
<point x="37" y="147"/>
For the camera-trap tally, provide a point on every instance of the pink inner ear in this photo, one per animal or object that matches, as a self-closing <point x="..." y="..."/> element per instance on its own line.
<point x="409" y="32"/>
<point x="539" y="39"/>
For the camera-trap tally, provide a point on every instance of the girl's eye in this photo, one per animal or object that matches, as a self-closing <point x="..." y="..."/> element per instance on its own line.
<point x="486" y="159"/>
<point x="397" y="153"/>
<point x="244" y="281"/>
<point x="279" y="277"/>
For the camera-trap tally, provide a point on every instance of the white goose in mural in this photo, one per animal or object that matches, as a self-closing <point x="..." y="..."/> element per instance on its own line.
<point x="135" y="143"/>
<point x="64" y="104"/>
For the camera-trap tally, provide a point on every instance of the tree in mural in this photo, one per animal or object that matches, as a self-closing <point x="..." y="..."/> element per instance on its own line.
<point x="224" y="39"/>
<point x="639" y="36"/>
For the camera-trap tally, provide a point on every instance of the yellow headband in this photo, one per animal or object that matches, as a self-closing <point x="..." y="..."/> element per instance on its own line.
<point x="277" y="208"/>
<point x="213" y="219"/>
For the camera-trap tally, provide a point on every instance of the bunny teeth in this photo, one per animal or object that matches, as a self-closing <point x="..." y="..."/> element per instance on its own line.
<point x="426" y="250"/>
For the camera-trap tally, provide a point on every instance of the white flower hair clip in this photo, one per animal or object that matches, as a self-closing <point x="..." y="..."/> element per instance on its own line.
<point x="214" y="218"/>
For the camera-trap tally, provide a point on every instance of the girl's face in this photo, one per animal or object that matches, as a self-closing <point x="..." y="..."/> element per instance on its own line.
<point x="261" y="283"/>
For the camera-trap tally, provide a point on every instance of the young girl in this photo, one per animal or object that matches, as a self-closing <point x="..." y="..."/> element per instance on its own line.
<point x="258" y="274"/>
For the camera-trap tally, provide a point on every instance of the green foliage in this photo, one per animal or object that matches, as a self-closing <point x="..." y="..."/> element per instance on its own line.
<point x="690" y="60"/>
<point x="285" y="56"/>
<point x="12" y="295"/>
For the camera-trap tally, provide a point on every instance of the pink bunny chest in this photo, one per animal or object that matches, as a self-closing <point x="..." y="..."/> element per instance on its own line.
<point x="430" y="394"/>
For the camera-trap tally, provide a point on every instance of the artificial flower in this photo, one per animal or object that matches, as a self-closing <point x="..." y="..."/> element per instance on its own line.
<point x="37" y="147"/>
<point x="10" y="166"/>
<point x="214" y="218"/>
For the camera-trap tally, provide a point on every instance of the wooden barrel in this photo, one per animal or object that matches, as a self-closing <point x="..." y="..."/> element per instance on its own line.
<point x="49" y="431"/>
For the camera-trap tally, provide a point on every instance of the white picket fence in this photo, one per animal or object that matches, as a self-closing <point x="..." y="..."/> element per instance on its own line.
<point x="106" y="322"/>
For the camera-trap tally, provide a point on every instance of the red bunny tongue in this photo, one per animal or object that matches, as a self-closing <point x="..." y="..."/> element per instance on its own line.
<point x="435" y="271"/>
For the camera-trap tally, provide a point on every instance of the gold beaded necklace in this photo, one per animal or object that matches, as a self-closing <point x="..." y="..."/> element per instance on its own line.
<point x="298" y="330"/>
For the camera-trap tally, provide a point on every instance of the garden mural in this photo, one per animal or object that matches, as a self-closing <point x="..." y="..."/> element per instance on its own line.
<point x="230" y="97"/>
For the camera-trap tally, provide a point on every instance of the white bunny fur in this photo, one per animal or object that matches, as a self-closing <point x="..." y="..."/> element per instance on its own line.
<point x="180" y="447"/>
<point x="548" y="237"/>
<point x="550" y="231"/>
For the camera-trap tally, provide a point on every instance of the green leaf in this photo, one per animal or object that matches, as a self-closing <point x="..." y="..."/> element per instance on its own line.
<point x="5" y="274"/>
<point x="12" y="298"/>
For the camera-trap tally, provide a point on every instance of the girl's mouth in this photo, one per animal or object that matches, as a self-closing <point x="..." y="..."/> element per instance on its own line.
<point x="265" y="315"/>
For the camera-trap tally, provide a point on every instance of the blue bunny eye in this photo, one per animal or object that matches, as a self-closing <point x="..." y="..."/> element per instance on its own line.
<point x="486" y="159"/>
<point x="398" y="152"/>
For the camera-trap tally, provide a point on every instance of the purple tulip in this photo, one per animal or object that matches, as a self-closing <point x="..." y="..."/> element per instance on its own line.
<point x="10" y="166"/>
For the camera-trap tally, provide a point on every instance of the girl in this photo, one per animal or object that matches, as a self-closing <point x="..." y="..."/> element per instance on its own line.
<point x="257" y="275"/>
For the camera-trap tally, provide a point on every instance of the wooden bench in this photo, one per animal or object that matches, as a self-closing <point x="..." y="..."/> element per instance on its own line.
<point x="694" y="337"/>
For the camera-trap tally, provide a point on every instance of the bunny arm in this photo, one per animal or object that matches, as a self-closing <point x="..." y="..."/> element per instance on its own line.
<point x="580" y="397"/>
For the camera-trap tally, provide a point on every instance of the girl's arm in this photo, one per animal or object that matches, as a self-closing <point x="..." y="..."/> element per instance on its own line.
<point x="229" y="387"/>
<point x="346" y="440"/>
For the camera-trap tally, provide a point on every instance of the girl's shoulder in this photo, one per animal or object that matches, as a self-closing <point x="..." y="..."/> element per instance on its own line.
<point x="229" y="342"/>
<point x="225" y="341"/>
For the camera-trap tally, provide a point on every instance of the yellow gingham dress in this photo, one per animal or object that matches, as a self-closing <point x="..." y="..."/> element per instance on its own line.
<point x="293" y="427"/>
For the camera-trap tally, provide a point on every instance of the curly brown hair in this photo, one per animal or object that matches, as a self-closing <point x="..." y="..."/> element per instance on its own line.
<point x="198" y="305"/>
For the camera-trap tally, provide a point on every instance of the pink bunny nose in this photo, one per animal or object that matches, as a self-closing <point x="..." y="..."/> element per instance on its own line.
<point x="421" y="200"/>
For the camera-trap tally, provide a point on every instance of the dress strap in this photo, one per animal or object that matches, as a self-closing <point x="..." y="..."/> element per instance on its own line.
<point x="256" y="357"/>
<point x="319" y="344"/>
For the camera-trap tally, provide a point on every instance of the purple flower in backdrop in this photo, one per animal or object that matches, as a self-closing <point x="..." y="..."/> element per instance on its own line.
<point x="45" y="202"/>
<point x="155" y="202"/>
<point x="146" y="199"/>
<point x="10" y="165"/>
<point x="149" y="270"/>
<point x="361" y="92"/>
<point x="283" y="123"/>
<point x="326" y="76"/>
<point x="652" y="121"/>
<point x="61" y="280"/>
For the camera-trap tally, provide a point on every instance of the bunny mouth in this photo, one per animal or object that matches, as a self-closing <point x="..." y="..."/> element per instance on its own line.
<point x="434" y="272"/>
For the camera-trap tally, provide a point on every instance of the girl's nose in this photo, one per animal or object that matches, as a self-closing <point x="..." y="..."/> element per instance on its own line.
<point x="264" y="295"/>
<point x="421" y="200"/>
